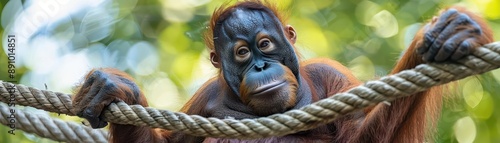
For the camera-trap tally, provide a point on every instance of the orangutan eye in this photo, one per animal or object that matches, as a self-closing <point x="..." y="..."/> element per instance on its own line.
<point x="265" y="45"/>
<point x="243" y="51"/>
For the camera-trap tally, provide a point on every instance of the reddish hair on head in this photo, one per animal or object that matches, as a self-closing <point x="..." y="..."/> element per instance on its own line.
<point x="224" y="11"/>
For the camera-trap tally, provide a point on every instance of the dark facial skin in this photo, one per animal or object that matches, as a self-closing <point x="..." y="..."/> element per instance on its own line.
<point x="260" y="64"/>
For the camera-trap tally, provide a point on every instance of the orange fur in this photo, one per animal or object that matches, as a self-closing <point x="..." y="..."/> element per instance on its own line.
<point x="225" y="9"/>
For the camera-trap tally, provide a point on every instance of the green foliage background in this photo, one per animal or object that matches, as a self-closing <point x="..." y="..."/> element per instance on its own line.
<point x="367" y="36"/>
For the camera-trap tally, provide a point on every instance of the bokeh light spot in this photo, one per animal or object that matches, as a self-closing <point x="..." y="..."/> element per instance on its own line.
<point x="385" y="24"/>
<point x="472" y="92"/>
<point x="142" y="58"/>
<point x="465" y="130"/>
<point x="362" y="67"/>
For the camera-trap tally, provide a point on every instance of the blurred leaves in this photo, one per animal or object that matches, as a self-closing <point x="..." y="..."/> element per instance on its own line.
<point x="490" y="8"/>
<point x="96" y="24"/>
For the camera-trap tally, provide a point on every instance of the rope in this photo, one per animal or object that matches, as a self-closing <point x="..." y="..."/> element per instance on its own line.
<point x="47" y="127"/>
<point x="326" y="110"/>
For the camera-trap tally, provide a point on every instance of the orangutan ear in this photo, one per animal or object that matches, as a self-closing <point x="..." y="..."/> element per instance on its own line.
<point x="291" y="34"/>
<point x="214" y="58"/>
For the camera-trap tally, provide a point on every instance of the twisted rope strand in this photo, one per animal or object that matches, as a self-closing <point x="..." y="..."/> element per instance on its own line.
<point x="41" y="99"/>
<point x="47" y="127"/>
<point x="386" y="89"/>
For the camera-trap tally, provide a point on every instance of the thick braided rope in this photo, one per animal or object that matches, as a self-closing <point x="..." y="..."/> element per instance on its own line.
<point x="326" y="110"/>
<point x="47" y="127"/>
<point x="40" y="99"/>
